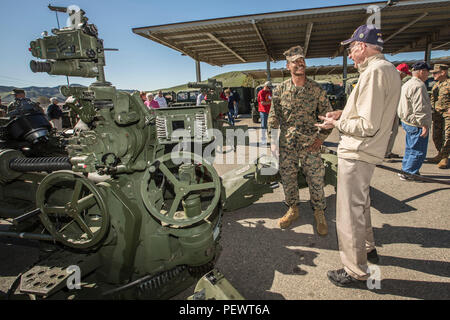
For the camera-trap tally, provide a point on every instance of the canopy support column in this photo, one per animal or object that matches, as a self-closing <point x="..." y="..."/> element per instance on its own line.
<point x="268" y="68"/>
<point x="197" y="71"/>
<point x="428" y="49"/>
<point x="344" y="72"/>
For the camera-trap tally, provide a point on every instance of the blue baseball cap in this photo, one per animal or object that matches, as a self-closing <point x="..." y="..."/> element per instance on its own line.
<point x="367" y="33"/>
<point x="420" y="66"/>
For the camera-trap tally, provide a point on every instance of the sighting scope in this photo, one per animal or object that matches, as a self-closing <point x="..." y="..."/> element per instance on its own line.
<point x="70" y="51"/>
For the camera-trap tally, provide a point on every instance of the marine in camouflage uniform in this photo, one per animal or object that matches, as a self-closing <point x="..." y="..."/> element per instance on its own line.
<point x="294" y="111"/>
<point x="440" y="100"/>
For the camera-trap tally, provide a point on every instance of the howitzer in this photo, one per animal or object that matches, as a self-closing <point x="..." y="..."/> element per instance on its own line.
<point x="122" y="208"/>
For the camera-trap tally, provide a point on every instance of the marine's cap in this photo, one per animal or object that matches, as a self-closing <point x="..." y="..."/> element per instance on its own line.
<point x="294" y="53"/>
<point x="403" y="67"/>
<point x="440" y="67"/>
<point x="421" y="65"/>
<point x="17" y="91"/>
<point x="267" y="84"/>
<point x="367" y="33"/>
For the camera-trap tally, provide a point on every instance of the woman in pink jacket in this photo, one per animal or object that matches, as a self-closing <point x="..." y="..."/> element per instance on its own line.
<point x="150" y="103"/>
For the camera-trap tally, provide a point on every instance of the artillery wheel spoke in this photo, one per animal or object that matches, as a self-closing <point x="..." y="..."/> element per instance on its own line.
<point x="86" y="202"/>
<point x="84" y="226"/>
<point x="57" y="210"/>
<point x="77" y="191"/>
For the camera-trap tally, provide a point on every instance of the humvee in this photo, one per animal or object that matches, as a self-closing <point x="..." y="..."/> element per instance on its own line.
<point x="335" y="94"/>
<point x="186" y="98"/>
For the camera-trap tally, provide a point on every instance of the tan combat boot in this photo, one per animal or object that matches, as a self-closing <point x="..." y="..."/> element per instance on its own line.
<point x="443" y="163"/>
<point x="290" y="216"/>
<point x="436" y="159"/>
<point x="321" y="222"/>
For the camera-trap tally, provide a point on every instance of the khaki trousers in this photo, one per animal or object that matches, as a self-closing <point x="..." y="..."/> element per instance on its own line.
<point x="57" y="123"/>
<point x="393" y="136"/>
<point x="353" y="223"/>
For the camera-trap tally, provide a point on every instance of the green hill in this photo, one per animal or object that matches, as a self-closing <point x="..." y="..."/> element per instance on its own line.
<point x="32" y="92"/>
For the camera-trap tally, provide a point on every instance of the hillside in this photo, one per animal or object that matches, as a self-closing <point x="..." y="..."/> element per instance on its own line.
<point x="36" y="93"/>
<point x="228" y="79"/>
<point x="32" y="92"/>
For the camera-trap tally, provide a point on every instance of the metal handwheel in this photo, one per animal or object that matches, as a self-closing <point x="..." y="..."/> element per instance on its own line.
<point x="73" y="209"/>
<point x="153" y="197"/>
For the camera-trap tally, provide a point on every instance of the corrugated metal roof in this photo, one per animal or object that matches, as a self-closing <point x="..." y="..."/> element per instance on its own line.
<point x="252" y="38"/>
<point x="326" y="70"/>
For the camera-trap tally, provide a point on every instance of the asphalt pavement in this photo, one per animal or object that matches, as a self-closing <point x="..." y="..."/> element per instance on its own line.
<point x="411" y="223"/>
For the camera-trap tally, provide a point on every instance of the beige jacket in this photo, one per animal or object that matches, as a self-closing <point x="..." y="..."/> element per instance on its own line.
<point x="414" y="108"/>
<point x="366" y="121"/>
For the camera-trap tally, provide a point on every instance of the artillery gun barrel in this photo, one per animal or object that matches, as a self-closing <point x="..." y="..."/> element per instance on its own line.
<point x="40" y="164"/>
<point x="198" y="85"/>
<point x="57" y="9"/>
<point x="60" y="9"/>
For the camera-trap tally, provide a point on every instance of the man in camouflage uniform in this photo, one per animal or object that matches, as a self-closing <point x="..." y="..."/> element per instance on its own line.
<point x="296" y="105"/>
<point x="440" y="100"/>
<point x="21" y="104"/>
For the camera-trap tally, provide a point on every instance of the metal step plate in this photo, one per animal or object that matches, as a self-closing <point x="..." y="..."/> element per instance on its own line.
<point x="52" y="273"/>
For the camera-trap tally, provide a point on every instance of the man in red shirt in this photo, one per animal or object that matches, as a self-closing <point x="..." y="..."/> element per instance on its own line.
<point x="264" y="103"/>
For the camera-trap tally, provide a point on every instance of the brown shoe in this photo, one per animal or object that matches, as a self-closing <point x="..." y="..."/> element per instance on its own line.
<point x="290" y="216"/>
<point x="321" y="222"/>
<point x="436" y="159"/>
<point x="443" y="163"/>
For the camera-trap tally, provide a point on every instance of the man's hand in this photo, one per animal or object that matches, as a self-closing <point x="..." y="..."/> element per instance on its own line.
<point x="334" y="114"/>
<point x="274" y="149"/>
<point x="424" y="132"/>
<point x="315" y="147"/>
<point x="328" y="122"/>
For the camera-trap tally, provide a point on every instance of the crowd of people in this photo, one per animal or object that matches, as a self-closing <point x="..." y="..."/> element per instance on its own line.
<point x="153" y="102"/>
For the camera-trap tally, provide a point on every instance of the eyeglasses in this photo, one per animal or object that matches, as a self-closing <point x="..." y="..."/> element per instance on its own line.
<point x="352" y="46"/>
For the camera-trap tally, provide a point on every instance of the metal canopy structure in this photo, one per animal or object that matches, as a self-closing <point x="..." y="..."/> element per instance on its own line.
<point x="326" y="70"/>
<point x="407" y="26"/>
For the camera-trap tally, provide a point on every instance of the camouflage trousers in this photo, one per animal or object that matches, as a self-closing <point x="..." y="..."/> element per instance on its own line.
<point x="314" y="171"/>
<point x="441" y="131"/>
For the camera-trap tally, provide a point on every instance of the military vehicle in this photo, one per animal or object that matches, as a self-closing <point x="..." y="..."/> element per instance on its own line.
<point x="335" y="94"/>
<point x="429" y="84"/>
<point x="349" y="85"/>
<point x="170" y="96"/>
<point x="186" y="98"/>
<point x="129" y="210"/>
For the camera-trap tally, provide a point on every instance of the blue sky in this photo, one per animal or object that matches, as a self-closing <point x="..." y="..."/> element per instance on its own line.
<point x="140" y="63"/>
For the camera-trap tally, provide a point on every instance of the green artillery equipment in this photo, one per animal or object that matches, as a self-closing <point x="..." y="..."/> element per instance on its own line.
<point x="146" y="220"/>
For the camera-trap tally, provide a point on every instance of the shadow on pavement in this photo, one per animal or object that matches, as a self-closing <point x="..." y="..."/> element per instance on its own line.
<point x="425" y="237"/>
<point x="258" y="254"/>
<point x="424" y="194"/>
<point x="438" y="268"/>
<point x="255" y="252"/>
<point x="384" y="203"/>
<point x="415" y="289"/>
